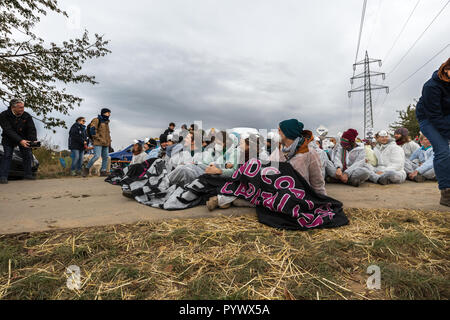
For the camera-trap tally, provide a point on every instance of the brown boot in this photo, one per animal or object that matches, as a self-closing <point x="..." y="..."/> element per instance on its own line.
<point x="419" y="178"/>
<point x="445" y="197"/>
<point x="212" y="203"/>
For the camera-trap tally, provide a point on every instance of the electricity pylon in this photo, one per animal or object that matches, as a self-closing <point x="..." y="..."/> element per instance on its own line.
<point x="367" y="87"/>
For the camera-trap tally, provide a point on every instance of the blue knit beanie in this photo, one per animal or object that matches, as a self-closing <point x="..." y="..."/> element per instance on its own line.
<point x="291" y="128"/>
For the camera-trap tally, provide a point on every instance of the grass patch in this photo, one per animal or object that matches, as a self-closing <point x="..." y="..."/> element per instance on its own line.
<point x="234" y="258"/>
<point x="411" y="284"/>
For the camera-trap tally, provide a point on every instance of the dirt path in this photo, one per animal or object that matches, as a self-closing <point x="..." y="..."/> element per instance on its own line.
<point x="27" y="206"/>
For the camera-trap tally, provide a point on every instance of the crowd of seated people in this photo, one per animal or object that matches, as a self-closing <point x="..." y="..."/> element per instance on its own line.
<point x="385" y="159"/>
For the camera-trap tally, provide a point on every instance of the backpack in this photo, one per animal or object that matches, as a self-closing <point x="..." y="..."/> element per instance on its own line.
<point x="88" y="130"/>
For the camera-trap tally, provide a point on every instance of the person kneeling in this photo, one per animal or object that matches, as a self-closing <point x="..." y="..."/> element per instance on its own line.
<point x="424" y="156"/>
<point x="350" y="160"/>
<point x="391" y="161"/>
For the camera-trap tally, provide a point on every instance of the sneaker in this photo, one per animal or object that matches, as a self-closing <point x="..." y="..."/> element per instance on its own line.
<point x="73" y="173"/>
<point x="383" y="180"/>
<point x="104" y="174"/>
<point x="128" y="194"/>
<point x="445" y="197"/>
<point x="354" y="182"/>
<point x="29" y="178"/>
<point x="212" y="203"/>
<point x="3" y="180"/>
<point x="419" y="178"/>
<point x="85" y="172"/>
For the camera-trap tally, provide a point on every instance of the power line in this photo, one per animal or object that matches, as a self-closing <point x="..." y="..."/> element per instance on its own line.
<point x="375" y="24"/>
<point x="440" y="51"/>
<point x="409" y="77"/>
<point x="360" y="30"/>
<point x="417" y="40"/>
<point x="401" y="31"/>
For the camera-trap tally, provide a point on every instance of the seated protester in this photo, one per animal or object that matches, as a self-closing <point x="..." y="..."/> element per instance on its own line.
<point x="424" y="156"/>
<point x="139" y="154"/>
<point x="391" y="161"/>
<point x="328" y="145"/>
<point x="373" y="143"/>
<point x="226" y="155"/>
<point x="163" y="145"/>
<point x="175" y="153"/>
<point x="370" y="154"/>
<point x="149" y="145"/>
<point x="295" y="150"/>
<point x="327" y="165"/>
<point x="208" y="145"/>
<point x="151" y="148"/>
<point x="192" y="163"/>
<point x="350" y="160"/>
<point x="273" y="142"/>
<point x="403" y="140"/>
<point x="249" y="148"/>
<point x="183" y="132"/>
<point x="333" y="150"/>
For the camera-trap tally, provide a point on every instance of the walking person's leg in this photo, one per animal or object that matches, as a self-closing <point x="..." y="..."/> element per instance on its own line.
<point x="105" y="154"/>
<point x="97" y="153"/>
<point x="5" y="164"/>
<point x="75" y="155"/>
<point x="441" y="154"/>
<point x="80" y="161"/>
<point x="441" y="159"/>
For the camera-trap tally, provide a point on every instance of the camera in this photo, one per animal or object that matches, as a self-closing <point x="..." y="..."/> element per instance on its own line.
<point x="35" y="144"/>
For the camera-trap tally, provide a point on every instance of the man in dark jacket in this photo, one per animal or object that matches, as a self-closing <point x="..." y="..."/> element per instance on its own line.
<point x="17" y="130"/>
<point x="77" y="144"/>
<point x="433" y="114"/>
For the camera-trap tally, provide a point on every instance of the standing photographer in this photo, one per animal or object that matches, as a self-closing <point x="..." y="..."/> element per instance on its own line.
<point x="18" y="130"/>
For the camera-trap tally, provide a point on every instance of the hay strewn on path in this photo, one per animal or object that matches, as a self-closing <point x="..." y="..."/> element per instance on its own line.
<point x="234" y="258"/>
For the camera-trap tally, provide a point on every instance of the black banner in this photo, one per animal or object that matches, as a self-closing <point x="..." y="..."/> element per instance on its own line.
<point x="283" y="198"/>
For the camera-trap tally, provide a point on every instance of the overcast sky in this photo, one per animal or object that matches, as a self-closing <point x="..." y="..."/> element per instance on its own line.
<point x="248" y="63"/>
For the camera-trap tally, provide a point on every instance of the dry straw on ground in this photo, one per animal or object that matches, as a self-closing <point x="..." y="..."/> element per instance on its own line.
<point x="234" y="258"/>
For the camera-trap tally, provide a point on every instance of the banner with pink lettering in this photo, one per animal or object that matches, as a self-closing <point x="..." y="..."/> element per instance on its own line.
<point x="283" y="198"/>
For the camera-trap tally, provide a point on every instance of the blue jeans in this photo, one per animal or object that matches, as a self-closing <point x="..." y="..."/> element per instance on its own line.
<point x="441" y="150"/>
<point x="77" y="159"/>
<point x="99" y="151"/>
<point x="5" y="164"/>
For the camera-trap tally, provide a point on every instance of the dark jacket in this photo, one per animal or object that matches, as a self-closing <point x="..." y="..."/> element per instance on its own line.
<point x="77" y="136"/>
<point x="99" y="129"/>
<point x="16" y="129"/>
<point x="434" y="104"/>
<point x="168" y="131"/>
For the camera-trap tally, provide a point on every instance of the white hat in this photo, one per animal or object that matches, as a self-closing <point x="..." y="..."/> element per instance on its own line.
<point x="135" y="141"/>
<point x="169" y="137"/>
<point x="383" y="133"/>
<point x="322" y="131"/>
